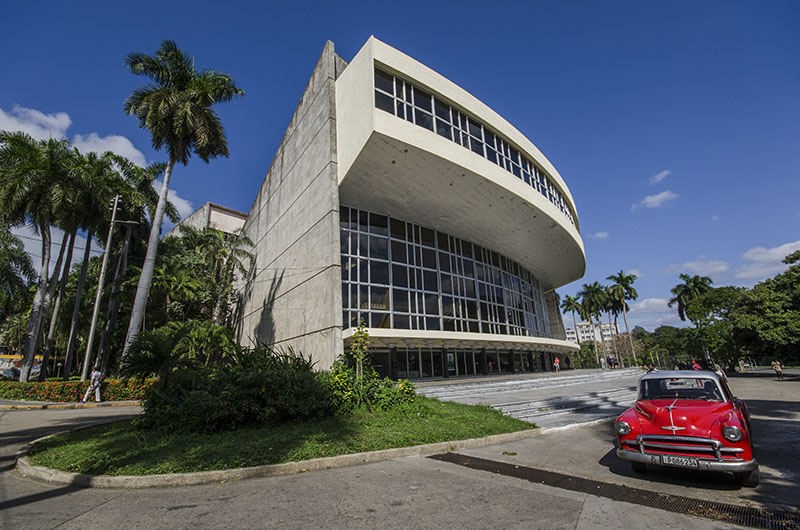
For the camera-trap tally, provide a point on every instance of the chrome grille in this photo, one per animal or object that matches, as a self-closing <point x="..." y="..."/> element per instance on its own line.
<point x="689" y="445"/>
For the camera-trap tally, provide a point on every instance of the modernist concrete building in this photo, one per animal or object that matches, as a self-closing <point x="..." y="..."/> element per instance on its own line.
<point x="590" y="332"/>
<point x="398" y="198"/>
<point x="214" y="216"/>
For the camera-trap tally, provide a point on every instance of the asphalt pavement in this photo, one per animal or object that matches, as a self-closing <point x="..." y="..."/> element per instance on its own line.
<point x="412" y="492"/>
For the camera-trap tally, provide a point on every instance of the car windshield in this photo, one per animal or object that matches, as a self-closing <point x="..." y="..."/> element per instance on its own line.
<point x="680" y="388"/>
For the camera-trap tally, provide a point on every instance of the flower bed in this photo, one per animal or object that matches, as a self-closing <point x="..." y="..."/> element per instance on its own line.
<point x="61" y="391"/>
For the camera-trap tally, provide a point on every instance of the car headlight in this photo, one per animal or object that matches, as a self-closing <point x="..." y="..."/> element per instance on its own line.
<point x="732" y="433"/>
<point x="622" y="428"/>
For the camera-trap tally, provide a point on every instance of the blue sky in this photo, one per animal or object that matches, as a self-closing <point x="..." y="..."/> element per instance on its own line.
<point x="675" y="124"/>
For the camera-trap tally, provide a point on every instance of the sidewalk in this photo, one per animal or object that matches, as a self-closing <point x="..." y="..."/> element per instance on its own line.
<point x="8" y="404"/>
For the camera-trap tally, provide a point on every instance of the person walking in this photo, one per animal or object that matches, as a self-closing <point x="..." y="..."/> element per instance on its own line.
<point x="557" y="365"/>
<point x="94" y="384"/>
<point x="778" y="367"/>
<point x="696" y="365"/>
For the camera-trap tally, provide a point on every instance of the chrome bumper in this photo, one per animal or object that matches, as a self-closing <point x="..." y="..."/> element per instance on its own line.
<point x="703" y="464"/>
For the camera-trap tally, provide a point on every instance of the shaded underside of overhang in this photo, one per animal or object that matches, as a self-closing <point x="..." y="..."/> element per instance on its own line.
<point x="401" y="338"/>
<point x="392" y="177"/>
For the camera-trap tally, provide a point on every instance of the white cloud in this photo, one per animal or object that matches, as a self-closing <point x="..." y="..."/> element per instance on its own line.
<point x="765" y="262"/>
<point x="183" y="206"/>
<point x="635" y="272"/>
<point x="649" y="306"/>
<point x="120" y="145"/>
<point x="598" y="235"/>
<point x="655" y="201"/>
<point x="715" y="218"/>
<point x="705" y="266"/>
<point x="653" y="312"/>
<point x="655" y="179"/>
<point x="39" y="125"/>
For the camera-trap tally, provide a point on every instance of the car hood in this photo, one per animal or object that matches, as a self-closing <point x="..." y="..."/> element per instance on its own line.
<point x="688" y="417"/>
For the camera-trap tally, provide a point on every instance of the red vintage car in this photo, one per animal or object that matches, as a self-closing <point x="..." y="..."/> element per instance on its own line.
<point x="687" y="419"/>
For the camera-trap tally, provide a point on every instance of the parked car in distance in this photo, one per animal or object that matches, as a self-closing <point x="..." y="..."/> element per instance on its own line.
<point x="687" y="419"/>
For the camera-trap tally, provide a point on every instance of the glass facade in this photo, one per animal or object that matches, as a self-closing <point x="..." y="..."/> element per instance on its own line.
<point x="405" y="100"/>
<point x="401" y="275"/>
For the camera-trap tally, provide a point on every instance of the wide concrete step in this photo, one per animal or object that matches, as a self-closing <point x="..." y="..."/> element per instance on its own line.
<point x="451" y="392"/>
<point x="606" y="401"/>
<point x="566" y="402"/>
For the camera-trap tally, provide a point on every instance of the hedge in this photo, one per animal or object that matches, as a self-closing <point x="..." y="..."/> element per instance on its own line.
<point x="61" y="391"/>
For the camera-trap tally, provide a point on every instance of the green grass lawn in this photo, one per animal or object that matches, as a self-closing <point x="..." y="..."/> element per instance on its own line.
<point x="119" y="449"/>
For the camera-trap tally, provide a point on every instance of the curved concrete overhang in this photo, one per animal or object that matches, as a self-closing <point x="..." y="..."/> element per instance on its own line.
<point x="392" y="166"/>
<point x="403" y="338"/>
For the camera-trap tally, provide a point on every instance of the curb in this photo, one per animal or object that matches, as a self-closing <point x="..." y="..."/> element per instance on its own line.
<point x="72" y="405"/>
<point x="63" y="478"/>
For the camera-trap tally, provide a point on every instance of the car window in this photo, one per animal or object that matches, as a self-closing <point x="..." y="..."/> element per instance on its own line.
<point x="681" y="388"/>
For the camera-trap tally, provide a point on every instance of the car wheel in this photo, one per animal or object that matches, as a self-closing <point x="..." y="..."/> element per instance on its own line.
<point x="639" y="467"/>
<point x="748" y="479"/>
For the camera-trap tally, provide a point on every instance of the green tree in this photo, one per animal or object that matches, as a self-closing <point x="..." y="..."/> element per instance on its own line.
<point x="623" y="290"/>
<point x="573" y="305"/>
<point x="177" y="110"/>
<point x="16" y="273"/>
<point x="593" y="298"/>
<point x="33" y="188"/>
<point x="684" y="293"/>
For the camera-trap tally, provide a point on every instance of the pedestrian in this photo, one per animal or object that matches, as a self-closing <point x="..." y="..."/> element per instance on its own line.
<point x="557" y="365"/>
<point x="651" y="368"/>
<point x="778" y="367"/>
<point x="676" y="366"/>
<point x="696" y="365"/>
<point x="720" y="372"/>
<point x="94" y="384"/>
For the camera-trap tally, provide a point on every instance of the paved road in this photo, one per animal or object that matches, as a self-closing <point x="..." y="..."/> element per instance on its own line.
<point x="411" y="492"/>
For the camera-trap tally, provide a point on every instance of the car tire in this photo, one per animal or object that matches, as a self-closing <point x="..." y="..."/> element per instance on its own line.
<point x="639" y="467"/>
<point x="748" y="479"/>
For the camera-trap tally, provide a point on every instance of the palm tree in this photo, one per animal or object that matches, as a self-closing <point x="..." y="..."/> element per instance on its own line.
<point x="16" y="273"/>
<point x="32" y="189"/>
<point x="592" y="298"/>
<point x="691" y="288"/>
<point x="177" y="111"/>
<point x="623" y="290"/>
<point x="573" y="305"/>
<point x="97" y="181"/>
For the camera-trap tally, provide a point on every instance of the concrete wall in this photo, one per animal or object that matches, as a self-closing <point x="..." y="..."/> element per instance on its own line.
<point x="554" y="316"/>
<point x="198" y="219"/>
<point x="225" y="220"/>
<point x="293" y="295"/>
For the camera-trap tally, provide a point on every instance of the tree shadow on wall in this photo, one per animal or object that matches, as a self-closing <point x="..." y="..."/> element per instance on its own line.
<point x="264" y="330"/>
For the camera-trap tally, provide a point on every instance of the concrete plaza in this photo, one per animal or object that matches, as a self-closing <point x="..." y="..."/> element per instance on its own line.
<point x="414" y="492"/>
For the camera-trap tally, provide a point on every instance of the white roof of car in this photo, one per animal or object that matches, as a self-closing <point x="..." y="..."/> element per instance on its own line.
<point x="676" y="374"/>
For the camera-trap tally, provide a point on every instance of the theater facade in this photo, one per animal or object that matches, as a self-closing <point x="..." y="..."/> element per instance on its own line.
<point x="398" y="199"/>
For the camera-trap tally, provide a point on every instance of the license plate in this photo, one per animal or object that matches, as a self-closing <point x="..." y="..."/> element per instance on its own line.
<point x="681" y="461"/>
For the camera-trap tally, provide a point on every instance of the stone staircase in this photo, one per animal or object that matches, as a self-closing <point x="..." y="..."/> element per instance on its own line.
<point x="451" y="392"/>
<point x="549" y="401"/>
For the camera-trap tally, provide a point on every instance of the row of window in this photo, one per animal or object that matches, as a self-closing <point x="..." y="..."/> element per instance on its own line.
<point x="407" y="101"/>
<point x="413" y="277"/>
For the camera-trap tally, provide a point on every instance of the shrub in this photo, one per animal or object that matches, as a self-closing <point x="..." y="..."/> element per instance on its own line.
<point x="61" y="391"/>
<point x="255" y="386"/>
<point x="352" y="384"/>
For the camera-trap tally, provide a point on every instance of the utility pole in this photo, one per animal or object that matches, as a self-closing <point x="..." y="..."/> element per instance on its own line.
<point x="90" y="340"/>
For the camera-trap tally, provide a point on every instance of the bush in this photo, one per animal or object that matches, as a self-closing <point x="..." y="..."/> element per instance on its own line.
<point x="255" y="387"/>
<point x="60" y="391"/>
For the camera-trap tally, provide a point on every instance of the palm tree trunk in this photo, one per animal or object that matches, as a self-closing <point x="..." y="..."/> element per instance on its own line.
<point x="594" y="343"/>
<point x="51" y="332"/>
<point x="73" y="329"/>
<point x="32" y="334"/>
<point x="602" y="338"/>
<point x="628" y="330"/>
<point x="577" y="337"/>
<point x="146" y="277"/>
<point x="50" y="293"/>
<point x="113" y="304"/>
<point x="611" y="331"/>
